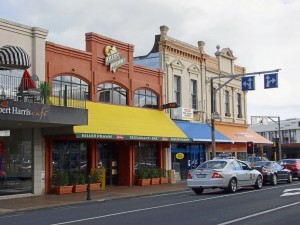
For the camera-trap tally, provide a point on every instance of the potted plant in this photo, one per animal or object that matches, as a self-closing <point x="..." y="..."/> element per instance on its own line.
<point x="62" y="184"/>
<point x="77" y="179"/>
<point x="164" y="177"/>
<point x="96" y="175"/>
<point x="155" y="175"/>
<point x="144" y="177"/>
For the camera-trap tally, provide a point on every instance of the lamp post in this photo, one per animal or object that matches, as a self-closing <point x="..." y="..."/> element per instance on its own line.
<point x="212" y="97"/>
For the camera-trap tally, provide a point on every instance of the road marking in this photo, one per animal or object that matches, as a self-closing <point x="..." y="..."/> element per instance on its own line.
<point x="289" y="192"/>
<point x="164" y="206"/>
<point x="159" y="195"/>
<point x="258" y="214"/>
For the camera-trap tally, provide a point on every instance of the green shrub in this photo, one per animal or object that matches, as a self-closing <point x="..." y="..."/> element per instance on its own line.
<point x="62" y="179"/>
<point x="81" y="178"/>
<point x="96" y="174"/>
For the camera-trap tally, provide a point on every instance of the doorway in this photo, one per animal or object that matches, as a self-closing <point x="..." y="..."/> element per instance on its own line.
<point x="108" y="157"/>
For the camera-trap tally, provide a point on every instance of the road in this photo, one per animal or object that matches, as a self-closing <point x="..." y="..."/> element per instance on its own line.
<point x="271" y="205"/>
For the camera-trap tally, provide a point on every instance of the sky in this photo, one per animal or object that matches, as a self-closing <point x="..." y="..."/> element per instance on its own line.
<point x="263" y="34"/>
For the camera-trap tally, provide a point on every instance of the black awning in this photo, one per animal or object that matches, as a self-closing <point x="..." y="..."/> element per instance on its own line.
<point x="14" y="57"/>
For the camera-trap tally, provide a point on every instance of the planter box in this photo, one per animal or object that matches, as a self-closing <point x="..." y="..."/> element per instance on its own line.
<point x="60" y="190"/>
<point x="155" y="180"/>
<point x="95" y="186"/>
<point x="79" y="188"/>
<point x="164" y="180"/>
<point x="143" y="182"/>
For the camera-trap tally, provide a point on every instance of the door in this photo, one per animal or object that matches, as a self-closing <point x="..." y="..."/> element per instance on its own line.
<point x="108" y="158"/>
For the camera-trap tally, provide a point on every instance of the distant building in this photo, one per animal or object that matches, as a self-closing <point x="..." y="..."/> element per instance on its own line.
<point x="290" y="135"/>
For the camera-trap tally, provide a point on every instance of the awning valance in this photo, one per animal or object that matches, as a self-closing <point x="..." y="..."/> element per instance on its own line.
<point x="200" y="132"/>
<point x="14" y="57"/>
<point x="241" y="134"/>
<point x="107" y="121"/>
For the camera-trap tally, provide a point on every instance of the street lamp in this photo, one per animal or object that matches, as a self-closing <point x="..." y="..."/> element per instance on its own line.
<point x="213" y="92"/>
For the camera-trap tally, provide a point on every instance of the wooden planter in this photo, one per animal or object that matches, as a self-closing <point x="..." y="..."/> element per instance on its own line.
<point x="95" y="186"/>
<point x="164" y="180"/>
<point x="155" y="180"/>
<point x="79" y="188"/>
<point x="143" y="182"/>
<point x="60" y="190"/>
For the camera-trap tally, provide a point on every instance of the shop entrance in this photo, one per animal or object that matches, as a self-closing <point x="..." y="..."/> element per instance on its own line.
<point x="186" y="157"/>
<point x="108" y="154"/>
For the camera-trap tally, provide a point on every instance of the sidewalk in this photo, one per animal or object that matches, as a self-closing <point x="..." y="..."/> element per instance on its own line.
<point x="10" y="204"/>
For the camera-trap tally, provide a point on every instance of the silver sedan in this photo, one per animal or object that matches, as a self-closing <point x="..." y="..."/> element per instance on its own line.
<point x="229" y="174"/>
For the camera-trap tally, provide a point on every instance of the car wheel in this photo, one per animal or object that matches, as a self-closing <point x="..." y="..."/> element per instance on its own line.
<point x="232" y="186"/>
<point x="274" y="180"/>
<point x="198" y="191"/>
<point x="290" y="178"/>
<point x="258" y="183"/>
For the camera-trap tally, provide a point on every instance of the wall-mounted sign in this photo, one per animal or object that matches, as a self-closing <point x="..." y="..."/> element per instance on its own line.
<point x="113" y="59"/>
<point x="182" y="114"/>
<point x="179" y="155"/>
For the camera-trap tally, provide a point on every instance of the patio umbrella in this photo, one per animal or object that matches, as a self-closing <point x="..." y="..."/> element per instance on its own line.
<point x="26" y="82"/>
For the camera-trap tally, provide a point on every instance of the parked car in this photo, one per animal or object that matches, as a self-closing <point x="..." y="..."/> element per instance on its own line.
<point x="293" y="165"/>
<point x="227" y="173"/>
<point x="273" y="172"/>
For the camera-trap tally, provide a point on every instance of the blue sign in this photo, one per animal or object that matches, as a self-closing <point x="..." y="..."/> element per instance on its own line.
<point x="271" y="80"/>
<point x="248" y="83"/>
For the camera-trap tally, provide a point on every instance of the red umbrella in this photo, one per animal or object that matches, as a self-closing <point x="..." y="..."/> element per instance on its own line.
<point x="26" y="82"/>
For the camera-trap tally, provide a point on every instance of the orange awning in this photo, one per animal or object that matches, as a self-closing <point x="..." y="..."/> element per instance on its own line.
<point x="241" y="134"/>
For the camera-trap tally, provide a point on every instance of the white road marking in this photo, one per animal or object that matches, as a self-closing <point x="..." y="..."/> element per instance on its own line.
<point x="257" y="214"/>
<point x="168" y="205"/>
<point x="290" y="192"/>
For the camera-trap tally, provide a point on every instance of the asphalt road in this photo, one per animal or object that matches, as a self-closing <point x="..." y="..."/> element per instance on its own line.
<point x="274" y="205"/>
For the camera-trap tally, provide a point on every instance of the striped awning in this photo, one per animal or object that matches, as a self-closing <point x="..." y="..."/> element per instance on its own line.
<point x="14" y="57"/>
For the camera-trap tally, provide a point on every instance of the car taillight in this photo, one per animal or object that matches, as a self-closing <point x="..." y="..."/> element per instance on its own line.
<point x="264" y="169"/>
<point x="216" y="175"/>
<point x="189" y="176"/>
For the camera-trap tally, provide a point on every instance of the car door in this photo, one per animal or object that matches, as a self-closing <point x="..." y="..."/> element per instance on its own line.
<point x="281" y="173"/>
<point x="250" y="176"/>
<point x="239" y="173"/>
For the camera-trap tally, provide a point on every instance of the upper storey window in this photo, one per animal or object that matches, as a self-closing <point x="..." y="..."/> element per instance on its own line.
<point x="76" y="88"/>
<point x="145" y="98"/>
<point x="112" y="93"/>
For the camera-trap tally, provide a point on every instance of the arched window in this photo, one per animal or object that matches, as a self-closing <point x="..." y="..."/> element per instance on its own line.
<point x="76" y="88"/>
<point x="145" y="98"/>
<point x="112" y="93"/>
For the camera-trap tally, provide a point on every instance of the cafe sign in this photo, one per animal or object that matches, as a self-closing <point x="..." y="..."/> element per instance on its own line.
<point x="113" y="59"/>
<point x="179" y="155"/>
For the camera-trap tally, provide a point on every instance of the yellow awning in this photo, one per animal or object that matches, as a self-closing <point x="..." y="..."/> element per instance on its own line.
<point x="241" y="134"/>
<point x="107" y="121"/>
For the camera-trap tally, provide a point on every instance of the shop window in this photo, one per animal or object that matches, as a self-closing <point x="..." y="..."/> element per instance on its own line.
<point x="76" y="88"/>
<point x="16" y="162"/>
<point x="145" y="98"/>
<point x="145" y="156"/>
<point x="112" y="93"/>
<point x="69" y="156"/>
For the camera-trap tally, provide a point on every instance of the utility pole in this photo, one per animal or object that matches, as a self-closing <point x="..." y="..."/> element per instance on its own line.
<point x="212" y="97"/>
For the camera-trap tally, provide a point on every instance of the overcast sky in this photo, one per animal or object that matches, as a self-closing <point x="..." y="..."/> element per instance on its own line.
<point x="263" y="34"/>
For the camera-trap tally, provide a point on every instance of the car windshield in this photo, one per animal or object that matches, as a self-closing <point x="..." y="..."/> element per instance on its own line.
<point x="212" y="165"/>
<point x="262" y="163"/>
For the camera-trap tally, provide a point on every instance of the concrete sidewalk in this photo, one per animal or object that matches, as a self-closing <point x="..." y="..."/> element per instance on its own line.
<point x="10" y="204"/>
